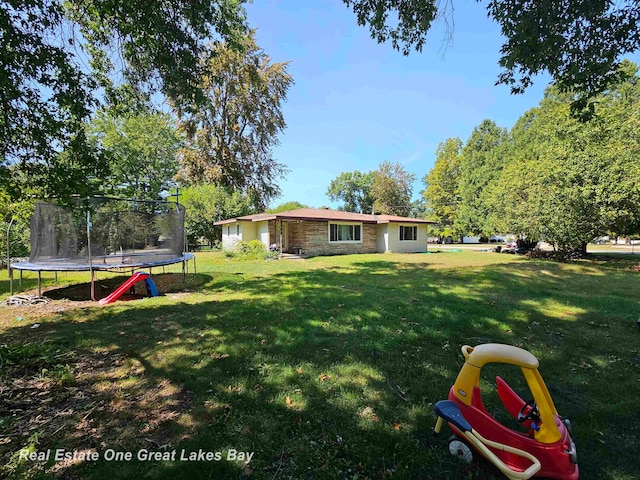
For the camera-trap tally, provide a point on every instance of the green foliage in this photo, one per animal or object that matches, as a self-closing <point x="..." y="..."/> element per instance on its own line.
<point x="283" y="207"/>
<point x="406" y="29"/>
<point x="354" y="189"/>
<point x="231" y="135"/>
<point x="251" y="250"/>
<point x="480" y="166"/>
<point x="206" y="204"/>
<point x="33" y="356"/>
<point x="17" y="467"/>
<point x="16" y="214"/>
<point x="57" y="60"/>
<point x="141" y="149"/>
<point x="579" y="43"/>
<point x="569" y="181"/>
<point x="391" y="189"/>
<point x="441" y="191"/>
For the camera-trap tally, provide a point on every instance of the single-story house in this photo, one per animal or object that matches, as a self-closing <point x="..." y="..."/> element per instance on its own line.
<point x="311" y="231"/>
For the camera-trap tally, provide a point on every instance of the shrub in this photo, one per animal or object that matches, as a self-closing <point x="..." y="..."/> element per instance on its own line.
<point x="247" y="250"/>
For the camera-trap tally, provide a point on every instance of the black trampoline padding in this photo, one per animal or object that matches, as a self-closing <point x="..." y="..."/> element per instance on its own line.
<point x="108" y="262"/>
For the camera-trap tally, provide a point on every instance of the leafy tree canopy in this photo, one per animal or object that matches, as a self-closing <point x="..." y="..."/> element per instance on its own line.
<point x="441" y="191"/>
<point x="284" y="207"/>
<point x="141" y="149"/>
<point x="207" y="203"/>
<point x="580" y="43"/>
<point x="480" y="166"/>
<point x="567" y="181"/>
<point x="231" y="135"/>
<point x="391" y="189"/>
<point x="354" y="189"/>
<point x="57" y="61"/>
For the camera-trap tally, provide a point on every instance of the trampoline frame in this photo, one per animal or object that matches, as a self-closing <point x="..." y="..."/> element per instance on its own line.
<point x="88" y="264"/>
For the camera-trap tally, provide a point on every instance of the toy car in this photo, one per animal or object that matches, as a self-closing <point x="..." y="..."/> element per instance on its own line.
<point x="546" y="450"/>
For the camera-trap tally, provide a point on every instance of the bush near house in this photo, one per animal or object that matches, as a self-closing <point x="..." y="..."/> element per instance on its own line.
<point x="253" y="249"/>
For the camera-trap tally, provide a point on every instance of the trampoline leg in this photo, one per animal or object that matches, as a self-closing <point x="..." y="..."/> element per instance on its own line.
<point x="184" y="276"/>
<point x="195" y="271"/>
<point x="20" y="284"/>
<point x="11" y="280"/>
<point x="39" y="283"/>
<point x="93" y="287"/>
<point x="56" y="277"/>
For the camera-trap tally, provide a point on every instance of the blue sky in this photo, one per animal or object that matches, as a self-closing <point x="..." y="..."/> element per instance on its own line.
<point x="356" y="103"/>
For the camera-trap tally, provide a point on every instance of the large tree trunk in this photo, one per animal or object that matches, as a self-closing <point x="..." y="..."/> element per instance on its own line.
<point x="583" y="248"/>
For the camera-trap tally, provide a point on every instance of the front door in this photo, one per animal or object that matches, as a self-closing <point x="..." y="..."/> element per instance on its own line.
<point x="285" y="235"/>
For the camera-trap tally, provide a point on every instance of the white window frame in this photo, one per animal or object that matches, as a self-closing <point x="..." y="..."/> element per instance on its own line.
<point x="400" y="230"/>
<point x="354" y="224"/>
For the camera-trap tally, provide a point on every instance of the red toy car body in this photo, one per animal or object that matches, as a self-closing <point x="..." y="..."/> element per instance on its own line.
<point x="548" y="441"/>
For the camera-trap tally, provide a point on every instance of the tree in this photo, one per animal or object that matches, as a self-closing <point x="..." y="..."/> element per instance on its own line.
<point x="579" y="43"/>
<point x="567" y="181"/>
<point x="284" y="207"/>
<point x="205" y="204"/>
<point x="354" y="189"/>
<point x="391" y="189"/>
<point x="441" y="191"/>
<point x="230" y="137"/>
<point x="17" y="214"/>
<point x="57" y="60"/>
<point x="142" y="151"/>
<point x="480" y="165"/>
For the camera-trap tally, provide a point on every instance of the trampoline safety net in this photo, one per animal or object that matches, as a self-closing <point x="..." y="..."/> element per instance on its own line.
<point x="121" y="233"/>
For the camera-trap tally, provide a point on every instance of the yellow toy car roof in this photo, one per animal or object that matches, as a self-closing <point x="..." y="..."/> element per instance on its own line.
<point x="498" y="353"/>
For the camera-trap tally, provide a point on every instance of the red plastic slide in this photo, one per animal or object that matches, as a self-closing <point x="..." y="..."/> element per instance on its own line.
<point x="135" y="278"/>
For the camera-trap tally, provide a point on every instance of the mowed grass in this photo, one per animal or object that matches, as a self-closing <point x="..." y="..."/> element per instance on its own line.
<point x="324" y="368"/>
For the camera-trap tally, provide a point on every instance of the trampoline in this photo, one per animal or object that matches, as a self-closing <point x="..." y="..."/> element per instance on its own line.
<point x="105" y="234"/>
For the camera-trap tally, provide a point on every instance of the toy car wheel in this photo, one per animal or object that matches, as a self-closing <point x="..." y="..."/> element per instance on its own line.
<point x="460" y="449"/>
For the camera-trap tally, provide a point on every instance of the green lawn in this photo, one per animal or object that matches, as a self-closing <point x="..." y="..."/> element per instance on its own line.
<point x="323" y="368"/>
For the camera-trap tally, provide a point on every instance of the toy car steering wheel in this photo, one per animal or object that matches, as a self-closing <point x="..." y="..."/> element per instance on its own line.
<point x="529" y="411"/>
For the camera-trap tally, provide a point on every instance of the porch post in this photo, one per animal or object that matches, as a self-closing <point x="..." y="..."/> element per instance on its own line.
<point x="281" y="237"/>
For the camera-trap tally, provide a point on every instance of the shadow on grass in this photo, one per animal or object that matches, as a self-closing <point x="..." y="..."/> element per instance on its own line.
<point x="332" y="373"/>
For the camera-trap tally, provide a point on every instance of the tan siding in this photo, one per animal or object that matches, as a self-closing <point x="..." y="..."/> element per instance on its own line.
<point x="263" y="233"/>
<point x="382" y="232"/>
<point x="395" y="245"/>
<point x="249" y="231"/>
<point x="230" y="239"/>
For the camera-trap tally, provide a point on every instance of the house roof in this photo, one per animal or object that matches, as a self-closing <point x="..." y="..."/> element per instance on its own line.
<point x="324" y="215"/>
<point x="395" y="218"/>
<point x="256" y="217"/>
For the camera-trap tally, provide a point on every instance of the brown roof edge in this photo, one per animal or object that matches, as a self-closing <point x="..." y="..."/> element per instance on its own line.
<point x="327" y="219"/>
<point x="224" y="222"/>
<point x="257" y="217"/>
<point x="394" y="219"/>
<point x="322" y="215"/>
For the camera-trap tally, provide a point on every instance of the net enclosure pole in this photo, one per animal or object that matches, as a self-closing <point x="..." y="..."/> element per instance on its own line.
<point x="9" y="257"/>
<point x="93" y="283"/>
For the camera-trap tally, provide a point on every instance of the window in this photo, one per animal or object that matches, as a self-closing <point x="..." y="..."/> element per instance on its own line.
<point x="408" y="233"/>
<point x="342" y="232"/>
